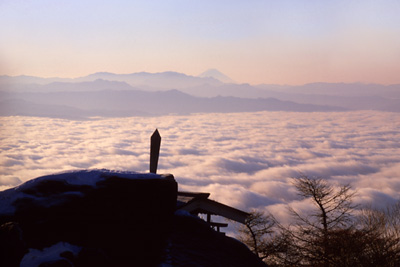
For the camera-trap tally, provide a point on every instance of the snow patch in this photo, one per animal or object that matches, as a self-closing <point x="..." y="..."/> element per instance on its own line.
<point x="79" y="178"/>
<point x="35" y="257"/>
<point x="184" y="213"/>
<point x="7" y="197"/>
<point x="89" y="177"/>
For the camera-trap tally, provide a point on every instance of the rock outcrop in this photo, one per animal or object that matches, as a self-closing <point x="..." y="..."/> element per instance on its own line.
<point x="107" y="218"/>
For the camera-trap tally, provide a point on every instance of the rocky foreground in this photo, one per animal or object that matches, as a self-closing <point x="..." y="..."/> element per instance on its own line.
<point x="108" y="218"/>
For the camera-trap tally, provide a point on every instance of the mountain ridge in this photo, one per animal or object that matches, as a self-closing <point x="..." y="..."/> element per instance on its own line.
<point x="137" y="102"/>
<point x="317" y="96"/>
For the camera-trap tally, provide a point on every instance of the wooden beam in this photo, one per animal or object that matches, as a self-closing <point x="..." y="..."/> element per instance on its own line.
<point x="208" y="206"/>
<point x="218" y="224"/>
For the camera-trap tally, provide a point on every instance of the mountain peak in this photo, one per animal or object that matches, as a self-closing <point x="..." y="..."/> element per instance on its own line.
<point x="102" y="73"/>
<point x="216" y="74"/>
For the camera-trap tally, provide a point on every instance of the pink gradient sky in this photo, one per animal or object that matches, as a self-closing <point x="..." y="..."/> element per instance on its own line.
<point x="279" y="42"/>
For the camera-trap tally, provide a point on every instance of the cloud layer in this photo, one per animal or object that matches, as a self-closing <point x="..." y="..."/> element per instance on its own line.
<point x="243" y="159"/>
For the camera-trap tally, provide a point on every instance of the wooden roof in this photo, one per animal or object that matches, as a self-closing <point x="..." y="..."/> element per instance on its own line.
<point x="196" y="203"/>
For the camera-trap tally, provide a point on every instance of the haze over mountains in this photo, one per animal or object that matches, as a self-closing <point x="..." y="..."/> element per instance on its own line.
<point x="216" y="74"/>
<point x="138" y="94"/>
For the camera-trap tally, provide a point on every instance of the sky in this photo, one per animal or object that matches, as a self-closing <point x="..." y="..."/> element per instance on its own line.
<point x="246" y="160"/>
<point x="273" y="42"/>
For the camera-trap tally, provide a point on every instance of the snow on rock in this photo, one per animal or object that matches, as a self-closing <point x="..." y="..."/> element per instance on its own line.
<point x="89" y="177"/>
<point x="69" y="179"/>
<point x="35" y="257"/>
<point x="119" y="214"/>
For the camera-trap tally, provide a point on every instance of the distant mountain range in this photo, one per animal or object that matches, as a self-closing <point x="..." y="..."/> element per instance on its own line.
<point x="147" y="94"/>
<point x="119" y="103"/>
<point x="148" y="81"/>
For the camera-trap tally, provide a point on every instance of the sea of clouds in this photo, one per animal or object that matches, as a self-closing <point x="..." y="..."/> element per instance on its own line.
<point x="245" y="160"/>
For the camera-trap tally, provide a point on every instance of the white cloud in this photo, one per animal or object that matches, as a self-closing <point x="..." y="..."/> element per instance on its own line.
<point x="243" y="159"/>
<point x="7" y="180"/>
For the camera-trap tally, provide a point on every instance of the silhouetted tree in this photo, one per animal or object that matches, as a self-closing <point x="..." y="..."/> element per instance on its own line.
<point x="381" y="234"/>
<point x="332" y="234"/>
<point x="315" y="236"/>
<point x="261" y="235"/>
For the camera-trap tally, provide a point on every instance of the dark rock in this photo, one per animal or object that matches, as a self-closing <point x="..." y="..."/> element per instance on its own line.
<point x="194" y="243"/>
<point x="105" y="218"/>
<point x="127" y="215"/>
<point x="67" y="255"/>
<point x="57" y="263"/>
<point x="93" y="257"/>
<point x="12" y="246"/>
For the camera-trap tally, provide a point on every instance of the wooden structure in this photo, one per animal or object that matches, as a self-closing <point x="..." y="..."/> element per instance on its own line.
<point x="198" y="203"/>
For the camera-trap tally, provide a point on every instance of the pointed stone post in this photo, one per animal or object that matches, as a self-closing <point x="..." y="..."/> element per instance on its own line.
<point x="155" y="143"/>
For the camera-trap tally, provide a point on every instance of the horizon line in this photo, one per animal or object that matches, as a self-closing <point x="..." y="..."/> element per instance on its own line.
<point x="195" y="76"/>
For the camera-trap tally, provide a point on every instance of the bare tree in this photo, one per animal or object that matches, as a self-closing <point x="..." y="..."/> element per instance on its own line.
<point x="258" y="234"/>
<point x="316" y="235"/>
<point x="333" y="206"/>
<point x="332" y="234"/>
<point x="381" y="234"/>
